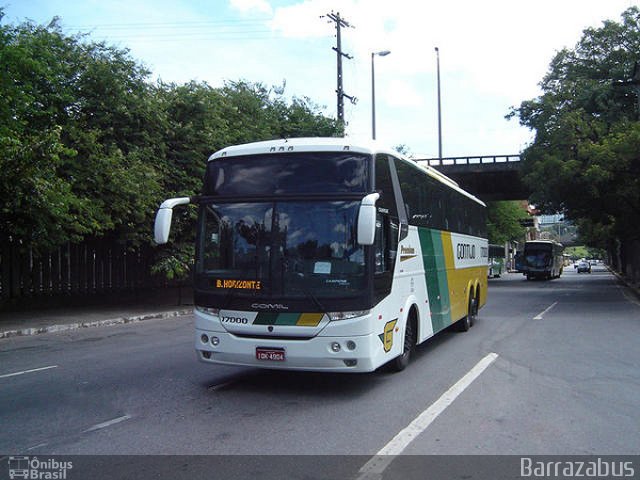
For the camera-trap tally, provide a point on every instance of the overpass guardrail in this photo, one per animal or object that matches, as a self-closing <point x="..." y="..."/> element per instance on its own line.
<point x="470" y="160"/>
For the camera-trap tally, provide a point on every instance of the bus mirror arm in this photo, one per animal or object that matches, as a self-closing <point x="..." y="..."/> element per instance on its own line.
<point x="367" y="219"/>
<point x="162" y="225"/>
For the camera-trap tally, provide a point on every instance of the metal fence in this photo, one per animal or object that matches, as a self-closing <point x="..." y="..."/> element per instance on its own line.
<point x="90" y="268"/>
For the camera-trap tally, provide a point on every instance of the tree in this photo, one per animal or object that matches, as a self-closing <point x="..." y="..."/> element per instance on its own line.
<point x="78" y="131"/>
<point x="89" y="147"/>
<point x="585" y="160"/>
<point x="503" y="222"/>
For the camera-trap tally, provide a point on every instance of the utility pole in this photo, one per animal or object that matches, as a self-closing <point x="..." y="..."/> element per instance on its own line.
<point x="383" y="53"/>
<point x="439" y="107"/>
<point x="340" y="22"/>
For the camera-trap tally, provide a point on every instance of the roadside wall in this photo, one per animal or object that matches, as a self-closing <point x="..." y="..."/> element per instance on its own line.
<point x="624" y="258"/>
<point x="631" y="260"/>
<point x="94" y="270"/>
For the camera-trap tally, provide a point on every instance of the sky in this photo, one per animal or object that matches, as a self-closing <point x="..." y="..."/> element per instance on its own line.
<point x="493" y="54"/>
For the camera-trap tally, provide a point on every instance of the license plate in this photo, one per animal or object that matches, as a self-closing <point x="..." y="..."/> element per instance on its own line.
<point x="270" y="354"/>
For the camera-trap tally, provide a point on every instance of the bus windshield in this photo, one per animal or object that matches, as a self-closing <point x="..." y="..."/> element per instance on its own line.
<point x="287" y="174"/>
<point x="538" y="256"/>
<point x="281" y="249"/>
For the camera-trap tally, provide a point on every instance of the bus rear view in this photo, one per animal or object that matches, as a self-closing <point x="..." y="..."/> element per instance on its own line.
<point x="543" y="259"/>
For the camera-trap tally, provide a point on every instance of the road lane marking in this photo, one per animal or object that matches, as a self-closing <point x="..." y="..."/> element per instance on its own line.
<point x="381" y="460"/>
<point x="107" y="423"/>
<point x="15" y="374"/>
<point x="222" y="386"/>
<point x="542" y="313"/>
<point x="40" y="445"/>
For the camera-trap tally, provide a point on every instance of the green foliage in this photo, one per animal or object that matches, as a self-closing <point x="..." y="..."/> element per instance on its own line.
<point x="76" y="140"/>
<point x="90" y="148"/>
<point x="582" y="251"/>
<point x="503" y="221"/>
<point x="174" y="262"/>
<point x="585" y="159"/>
<point x="403" y="149"/>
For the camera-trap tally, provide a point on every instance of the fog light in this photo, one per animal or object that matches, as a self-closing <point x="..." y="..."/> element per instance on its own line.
<point x="215" y="341"/>
<point x="351" y="345"/>
<point x="335" y="347"/>
<point x="351" y="363"/>
<point x="206" y="354"/>
<point x="204" y="338"/>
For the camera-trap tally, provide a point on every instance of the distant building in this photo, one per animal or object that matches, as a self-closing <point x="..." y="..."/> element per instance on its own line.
<point x="550" y="219"/>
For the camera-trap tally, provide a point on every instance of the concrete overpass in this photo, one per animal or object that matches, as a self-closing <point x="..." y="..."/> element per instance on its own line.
<point x="497" y="177"/>
<point x="489" y="177"/>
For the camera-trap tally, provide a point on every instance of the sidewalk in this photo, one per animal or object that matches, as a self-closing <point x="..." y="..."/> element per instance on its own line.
<point x="633" y="287"/>
<point x="58" y="319"/>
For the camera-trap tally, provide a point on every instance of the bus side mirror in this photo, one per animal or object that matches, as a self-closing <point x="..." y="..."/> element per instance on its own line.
<point x="162" y="226"/>
<point x="367" y="219"/>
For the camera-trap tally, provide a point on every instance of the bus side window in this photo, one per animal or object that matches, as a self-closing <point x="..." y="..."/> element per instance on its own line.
<point x="386" y="243"/>
<point x="392" y="251"/>
<point x="381" y="245"/>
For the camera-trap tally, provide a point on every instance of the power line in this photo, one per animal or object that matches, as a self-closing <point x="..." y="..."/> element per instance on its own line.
<point x="176" y="31"/>
<point x="152" y="25"/>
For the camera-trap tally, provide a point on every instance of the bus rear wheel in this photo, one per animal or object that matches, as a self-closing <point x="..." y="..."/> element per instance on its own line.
<point x="465" y="323"/>
<point x="473" y="309"/>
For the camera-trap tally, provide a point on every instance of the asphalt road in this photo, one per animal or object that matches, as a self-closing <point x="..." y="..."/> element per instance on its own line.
<point x="565" y="380"/>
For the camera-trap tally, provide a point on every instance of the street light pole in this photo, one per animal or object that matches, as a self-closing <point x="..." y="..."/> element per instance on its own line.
<point x="439" y="107"/>
<point x="383" y="53"/>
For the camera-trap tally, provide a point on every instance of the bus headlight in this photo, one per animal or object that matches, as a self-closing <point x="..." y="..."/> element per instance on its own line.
<point x="347" y="315"/>
<point x="208" y="310"/>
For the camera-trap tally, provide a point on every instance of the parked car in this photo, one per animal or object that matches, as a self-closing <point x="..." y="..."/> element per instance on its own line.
<point x="584" y="267"/>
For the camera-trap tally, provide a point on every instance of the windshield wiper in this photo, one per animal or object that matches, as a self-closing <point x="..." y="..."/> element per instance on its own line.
<point x="300" y="286"/>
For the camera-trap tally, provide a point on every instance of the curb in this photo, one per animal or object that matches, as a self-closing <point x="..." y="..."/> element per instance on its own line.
<point x="634" y="288"/>
<point x="97" y="323"/>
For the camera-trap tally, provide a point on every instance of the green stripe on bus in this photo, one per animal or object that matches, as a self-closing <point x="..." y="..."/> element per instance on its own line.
<point x="288" y="319"/>
<point x="285" y="319"/>
<point x="266" y="318"/>
<point x="436" y="273"/>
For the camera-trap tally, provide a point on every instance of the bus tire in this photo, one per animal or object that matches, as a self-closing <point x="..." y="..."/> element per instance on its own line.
<point x="473" y="309"/>
<point x="464" y="324"/>
<point x="410" y="339"/>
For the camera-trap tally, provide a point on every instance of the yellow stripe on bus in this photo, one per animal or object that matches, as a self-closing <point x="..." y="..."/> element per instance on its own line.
<point x="459" y="281"/>
<point x="309" y="319"/>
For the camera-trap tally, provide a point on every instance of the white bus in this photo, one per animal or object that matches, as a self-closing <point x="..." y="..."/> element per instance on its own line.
<point x="543" y="259"/>
<point x="320" y="254"/>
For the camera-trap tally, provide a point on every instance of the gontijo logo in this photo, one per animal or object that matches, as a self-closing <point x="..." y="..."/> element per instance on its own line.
<point x="468" y="251"/>
<point x="465" y="250"/>
<point x="36" y="469"/>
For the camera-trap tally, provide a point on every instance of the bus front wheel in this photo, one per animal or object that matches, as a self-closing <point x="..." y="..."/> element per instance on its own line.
<point x="410" y="339"/>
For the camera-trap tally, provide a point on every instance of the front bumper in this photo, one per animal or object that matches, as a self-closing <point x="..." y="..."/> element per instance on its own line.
<point x="314" y="354"/>
<point x="356" y="352"/>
